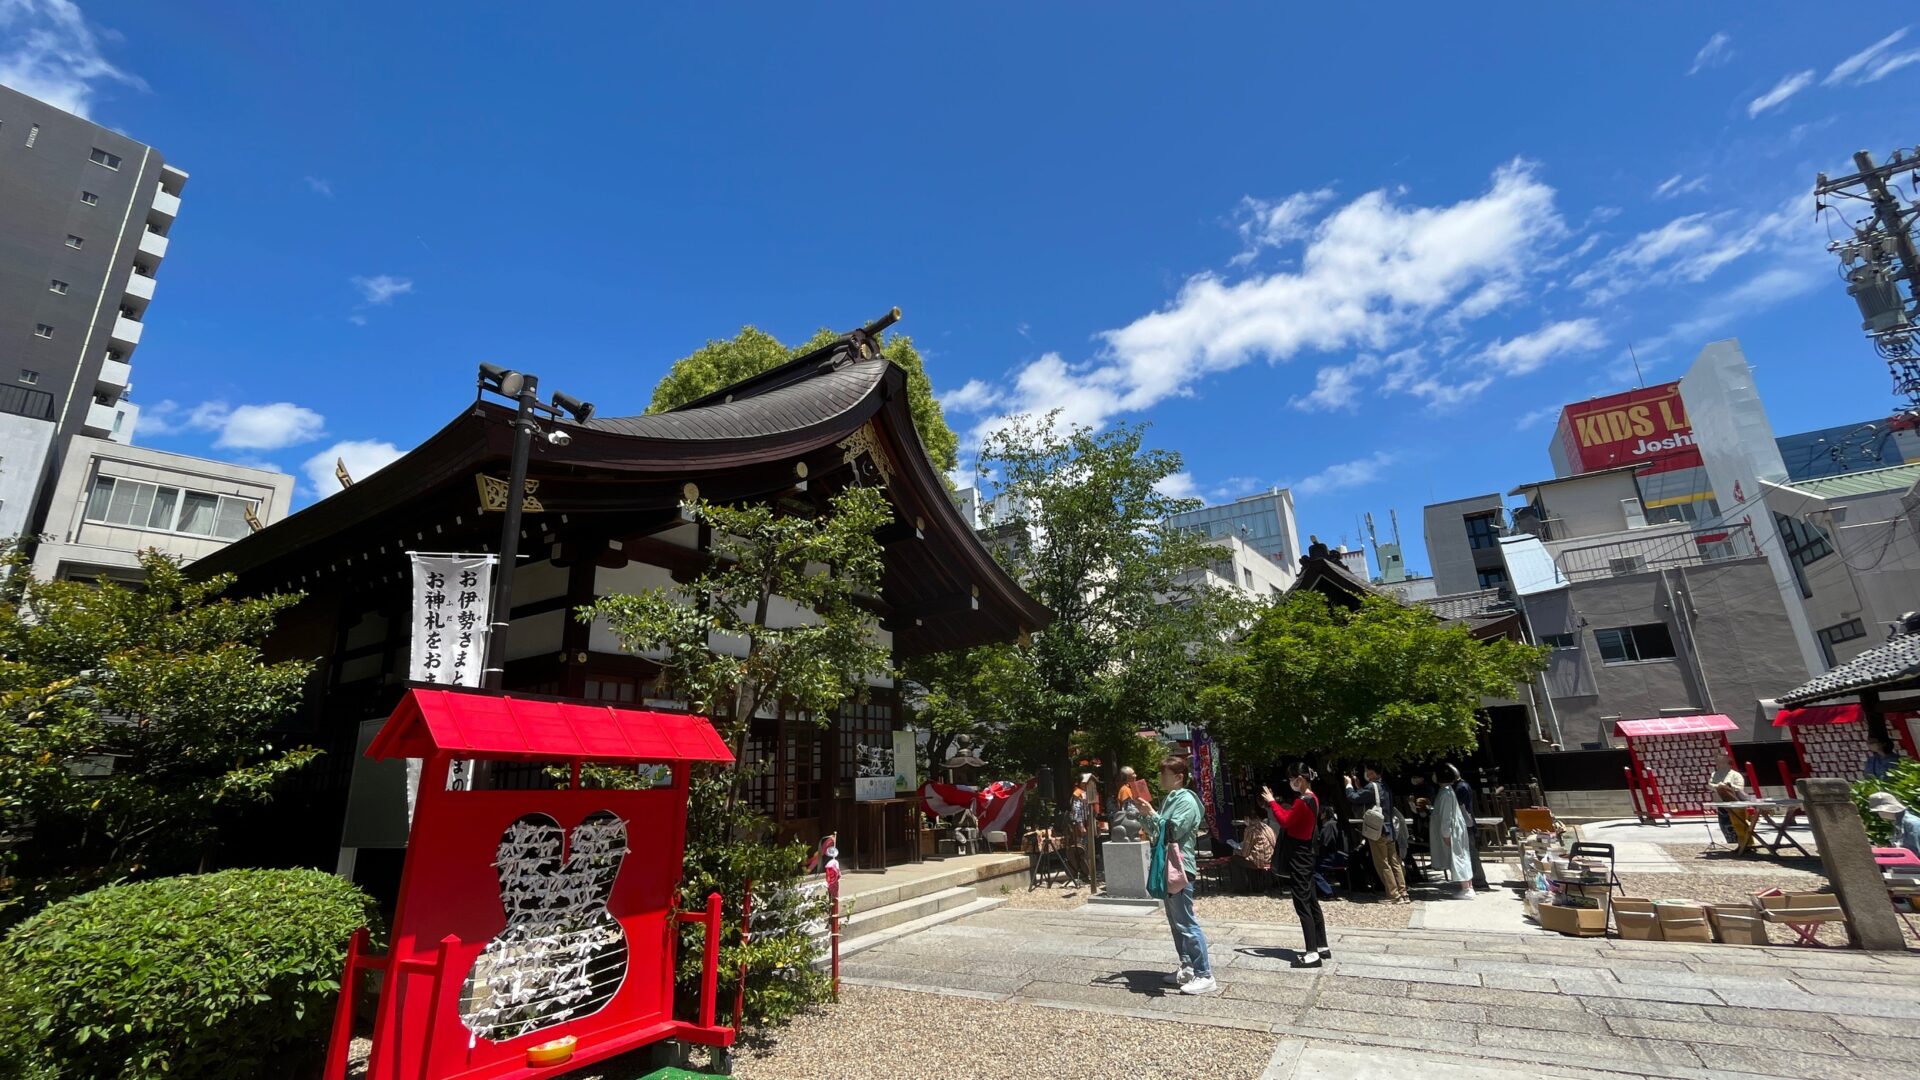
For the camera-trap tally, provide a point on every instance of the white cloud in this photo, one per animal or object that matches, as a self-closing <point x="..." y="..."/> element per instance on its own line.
<point x="1529" y="352"/>
<point x="1864" y="60"/>
<point x="1757" y="293"/>
<point x="363" y="458"/>
<point x="1333" y="388"/>
<point x="270" y="427"/>
<point x="357" y="320"/>
<point x="1782" y="90"/>
<point x="273" y="426"/>
<point x="1677" y="185"/>
<point x="1694" y="247"/>
<point x="382" y="288"/>
<point x="975" y="396"/>
<point x="1347" y="474"/>
<point x="1891" y="64"/>
<point x="1178" y="485"/>
<point x="1264" y="224"/>
<point x="1716" y="52"/>
<point x="1533" y="418"/>
<point x="1372" y="271"/>
<point x="54" y="55"/>
<point x="320" y="186"/>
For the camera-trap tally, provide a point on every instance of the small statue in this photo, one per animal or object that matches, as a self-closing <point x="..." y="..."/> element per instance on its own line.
<point x="1125" y="824"/>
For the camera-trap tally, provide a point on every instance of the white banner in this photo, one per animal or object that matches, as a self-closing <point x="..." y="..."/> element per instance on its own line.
<point x="451" y="599"/>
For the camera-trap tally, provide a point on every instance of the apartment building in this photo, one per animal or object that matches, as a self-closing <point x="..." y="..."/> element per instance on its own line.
<point x="1463" y="543"/>
<point x="1265" y="522"/>
<point x="85" y="215"/>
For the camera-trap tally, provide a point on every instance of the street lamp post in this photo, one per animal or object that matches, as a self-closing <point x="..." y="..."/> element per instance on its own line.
<point x="524" y="389"/>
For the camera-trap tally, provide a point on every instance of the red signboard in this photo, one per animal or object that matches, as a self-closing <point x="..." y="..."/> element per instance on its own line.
<point x="1646" y="427"/>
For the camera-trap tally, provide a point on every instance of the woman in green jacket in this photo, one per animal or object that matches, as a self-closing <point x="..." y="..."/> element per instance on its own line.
<point x="1179" y="815"/>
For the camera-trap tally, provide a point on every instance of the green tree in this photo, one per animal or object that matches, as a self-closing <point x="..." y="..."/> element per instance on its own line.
<point x="1387" y="682"/>
<point x="763" y="560"/>
<point x="722" y="363"/>
<point x="1134" y="618"/>
<point x="131" y="719"/>
<point x="975" y="692"/>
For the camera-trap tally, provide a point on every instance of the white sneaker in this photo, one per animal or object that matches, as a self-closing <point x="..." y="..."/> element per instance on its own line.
<point x="1177" y="978"/>
<point x="1199" y="984"/>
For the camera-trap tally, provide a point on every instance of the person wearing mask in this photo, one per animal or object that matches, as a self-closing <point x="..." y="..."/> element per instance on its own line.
<point x="1381" y="825"/>
<point x="1450" y="836"/>
<point x="1728" y="784"/>
<point x="1177" y="822"/>
<point x="1880" y="759"/>
<point x="1299" y="818"/>
<point x="1906" y="823"/>
<point x="1331" y="840"/>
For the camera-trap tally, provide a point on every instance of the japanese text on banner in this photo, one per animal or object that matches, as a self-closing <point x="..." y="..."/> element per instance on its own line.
<point x="451" y="599"/>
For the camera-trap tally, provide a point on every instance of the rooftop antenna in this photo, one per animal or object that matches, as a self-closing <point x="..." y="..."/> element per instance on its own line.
<point x="1394" y="517"/>
<point x="1637" y="377"/>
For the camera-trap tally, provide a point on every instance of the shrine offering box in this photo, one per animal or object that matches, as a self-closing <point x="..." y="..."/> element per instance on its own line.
<point x="1578" y="922"/>
<point x="1683" y="920"/>
<point x="1635" y="920"/>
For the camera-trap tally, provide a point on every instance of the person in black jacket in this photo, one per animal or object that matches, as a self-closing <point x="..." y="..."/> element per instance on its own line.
<point x="1331" y="842"/>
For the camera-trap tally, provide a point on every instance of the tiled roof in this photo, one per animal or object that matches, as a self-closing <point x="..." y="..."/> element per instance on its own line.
<point x="772" y="410"/>
<point x="1896" y="662"/>
<point x="1468" y="605"/>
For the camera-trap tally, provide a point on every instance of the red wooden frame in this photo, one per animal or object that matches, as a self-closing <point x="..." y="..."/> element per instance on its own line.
<point x="451" y="905"/>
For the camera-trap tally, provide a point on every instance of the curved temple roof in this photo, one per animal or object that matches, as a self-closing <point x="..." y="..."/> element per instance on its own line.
<point x="836" y="412"/>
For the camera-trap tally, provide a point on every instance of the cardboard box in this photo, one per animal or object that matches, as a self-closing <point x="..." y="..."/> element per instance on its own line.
<point x="1683" y="922"/>
<point x="1635" y="920"/>
<point x="1578" y="922"/>
<point x="1736" y="924"/>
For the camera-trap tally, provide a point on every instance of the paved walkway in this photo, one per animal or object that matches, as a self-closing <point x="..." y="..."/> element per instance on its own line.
<point x="1472" y="1004"/>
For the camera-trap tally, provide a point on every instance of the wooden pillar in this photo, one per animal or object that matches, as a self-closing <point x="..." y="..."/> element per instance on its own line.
<point x="1876" y="715"/>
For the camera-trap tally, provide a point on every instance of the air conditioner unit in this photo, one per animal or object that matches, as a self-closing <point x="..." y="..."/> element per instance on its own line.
<point x="1628" y="564"/>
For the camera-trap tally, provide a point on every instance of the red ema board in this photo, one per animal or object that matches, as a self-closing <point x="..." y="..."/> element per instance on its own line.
<point x="535" y="929"/>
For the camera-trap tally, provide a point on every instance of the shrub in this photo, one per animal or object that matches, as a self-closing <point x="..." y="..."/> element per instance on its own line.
<point x="224" y="975"/>
<point x="1904" y="782"/>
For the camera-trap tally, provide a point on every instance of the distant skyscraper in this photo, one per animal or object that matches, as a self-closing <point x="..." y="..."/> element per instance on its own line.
<point x="1265" y="521"/>
<point x="84" y="218"/>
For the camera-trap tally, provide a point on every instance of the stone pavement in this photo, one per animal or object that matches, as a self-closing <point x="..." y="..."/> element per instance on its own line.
<point x="1467" y="1003"/>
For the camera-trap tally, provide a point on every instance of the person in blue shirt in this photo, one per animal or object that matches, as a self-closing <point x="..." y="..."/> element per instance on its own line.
<point x="1906" y="823"/>
<point x="1880" y="758"/>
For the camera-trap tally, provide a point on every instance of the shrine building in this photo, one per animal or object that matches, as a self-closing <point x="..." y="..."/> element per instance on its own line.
<point x="604" y="515"/>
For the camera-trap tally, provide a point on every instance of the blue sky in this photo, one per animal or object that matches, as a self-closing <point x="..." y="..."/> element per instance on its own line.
<point x="1365" y="257"/>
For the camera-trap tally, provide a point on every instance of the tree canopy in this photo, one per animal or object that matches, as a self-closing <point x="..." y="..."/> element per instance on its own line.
<point x="722" y="363"/>
<point x="130" y="718"/>
<point x="1086" y="534"/>
<point x="1386" y="682"/>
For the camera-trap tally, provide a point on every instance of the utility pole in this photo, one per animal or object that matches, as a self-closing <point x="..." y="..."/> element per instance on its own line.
<point x="1878" y="258"/>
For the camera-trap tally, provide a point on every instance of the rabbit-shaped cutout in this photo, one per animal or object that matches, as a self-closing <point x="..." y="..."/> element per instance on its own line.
<point x="562" y="954"/>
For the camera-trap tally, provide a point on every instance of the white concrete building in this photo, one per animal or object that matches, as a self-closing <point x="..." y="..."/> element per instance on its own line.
<point x="113" y="501"/>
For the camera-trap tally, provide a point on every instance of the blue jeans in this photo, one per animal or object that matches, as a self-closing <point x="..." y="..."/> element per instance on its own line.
<point x="1188" y="940"/>
<point x="1726" y="826"/>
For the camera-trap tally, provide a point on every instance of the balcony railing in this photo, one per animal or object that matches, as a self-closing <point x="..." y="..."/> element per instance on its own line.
<point x="1665" y="551"/>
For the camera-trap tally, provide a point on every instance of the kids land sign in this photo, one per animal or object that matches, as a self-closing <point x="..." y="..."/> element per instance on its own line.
<point x="1640" y="427"/>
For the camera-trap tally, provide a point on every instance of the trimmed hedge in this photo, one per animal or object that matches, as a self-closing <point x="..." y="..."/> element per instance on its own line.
<point x="225" y="975"/>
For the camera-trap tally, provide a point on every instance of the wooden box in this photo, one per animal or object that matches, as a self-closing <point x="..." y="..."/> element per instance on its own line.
<point x="1683" y="922"/>
<point x="1577" y="922"/>
<point x="1635" y="920"/>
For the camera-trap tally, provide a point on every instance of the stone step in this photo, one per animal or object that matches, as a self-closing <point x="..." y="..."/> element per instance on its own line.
<point x="866" y="892"/>
<point x="896" y="932"/>
<point x="867" y="920"/>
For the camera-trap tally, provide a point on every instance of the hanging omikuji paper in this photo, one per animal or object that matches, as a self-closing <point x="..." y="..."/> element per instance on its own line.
<point x="451" y="598"/>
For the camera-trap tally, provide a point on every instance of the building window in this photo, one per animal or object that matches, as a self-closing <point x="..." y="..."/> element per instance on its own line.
<point x="1492" y="579"/>
<point x="59" y="286"/>
<point x="621" y="689"/>
<point x="101" y="157"/>
<point x="1480" y="532"/>
<point x="29" y="376"/>
<point x="1631" y="644"/>
<point x="33" y="135"/>
<point x="42" y="330"/>
<point x="74" y="241"/>
<point x="89" y="198"/>
<point x="1805" y="544"/>
<point x="1248" y="571"/>
<point x="1560" y="641"/>
<point x="169" y="509"/>
<point x="1834" y="635"/>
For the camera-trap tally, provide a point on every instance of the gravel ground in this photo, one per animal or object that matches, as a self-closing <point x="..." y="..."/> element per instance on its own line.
<point x="876" y="1034"/>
